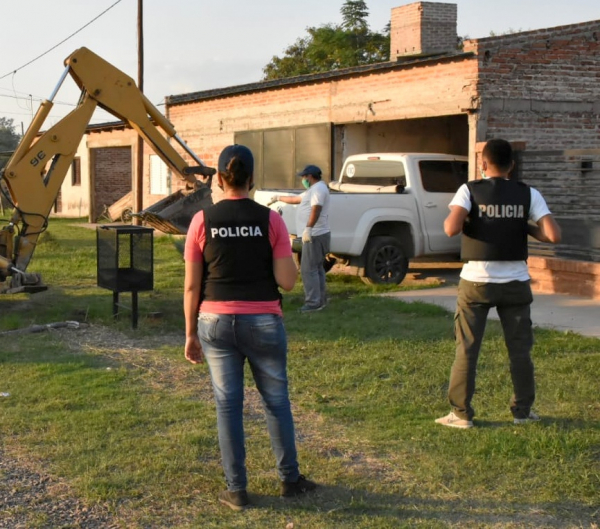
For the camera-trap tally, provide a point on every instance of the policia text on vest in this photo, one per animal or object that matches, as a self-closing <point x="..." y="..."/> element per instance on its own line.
<point x="496" y="226"/>
<point x="236" y="231"/>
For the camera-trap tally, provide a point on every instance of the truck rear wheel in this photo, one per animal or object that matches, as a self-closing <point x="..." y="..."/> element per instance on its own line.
<point x="386" y="262"/>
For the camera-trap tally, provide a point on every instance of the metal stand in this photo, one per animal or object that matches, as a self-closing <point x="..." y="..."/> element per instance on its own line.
<point x="125" y="263"/>
<point x="133" y="308"/>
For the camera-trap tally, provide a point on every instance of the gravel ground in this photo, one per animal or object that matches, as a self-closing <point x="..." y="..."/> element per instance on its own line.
<point x="29" y="499"/>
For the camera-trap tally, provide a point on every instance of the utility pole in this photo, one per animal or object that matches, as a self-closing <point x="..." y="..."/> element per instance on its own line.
<point x="138" y="184"/>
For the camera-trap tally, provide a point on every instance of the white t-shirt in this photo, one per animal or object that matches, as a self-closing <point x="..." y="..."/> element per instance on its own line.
<point x="315" y="195"/>
<point x="498" y="271"/>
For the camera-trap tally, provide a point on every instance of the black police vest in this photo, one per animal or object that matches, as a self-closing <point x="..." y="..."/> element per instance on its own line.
<point x="496" y="227"/>
<point x="238" y="258"/>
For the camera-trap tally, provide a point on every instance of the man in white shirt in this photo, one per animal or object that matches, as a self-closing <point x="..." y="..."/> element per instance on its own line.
<point x="312" y="220"/>
<point x="493" y="216"/>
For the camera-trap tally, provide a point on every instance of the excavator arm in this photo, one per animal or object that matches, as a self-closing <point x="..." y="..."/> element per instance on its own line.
<point x="32" y="178"/>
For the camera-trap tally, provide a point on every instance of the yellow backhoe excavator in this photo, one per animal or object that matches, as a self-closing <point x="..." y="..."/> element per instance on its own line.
<point x="32" y="178"/>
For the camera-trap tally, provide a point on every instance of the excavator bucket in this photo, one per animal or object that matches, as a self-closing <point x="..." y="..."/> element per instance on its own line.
<point x="174" y="213"/>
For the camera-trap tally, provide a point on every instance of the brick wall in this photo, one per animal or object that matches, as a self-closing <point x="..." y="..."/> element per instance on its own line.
<point x="541" y="86"/>
<point x="561" y="276"/>
<point x="436" y="89"/>
<point x="112" y="175"/>
<point x="423" y="28"/>
<point x="112" y="170"/>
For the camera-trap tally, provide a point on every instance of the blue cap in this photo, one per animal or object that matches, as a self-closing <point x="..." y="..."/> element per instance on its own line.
<point x="311" y="170"/>
<point x="241" y="152"/>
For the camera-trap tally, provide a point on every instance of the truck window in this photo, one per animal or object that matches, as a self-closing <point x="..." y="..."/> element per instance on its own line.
<point x="375" y="173"/>
<point x="443" y="176"/>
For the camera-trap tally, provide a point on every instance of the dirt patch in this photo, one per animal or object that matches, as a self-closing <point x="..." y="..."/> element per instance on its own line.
<point x="31" y="499"/>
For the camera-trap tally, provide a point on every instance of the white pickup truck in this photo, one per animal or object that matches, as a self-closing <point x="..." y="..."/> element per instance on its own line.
<point x="385" y="209"/>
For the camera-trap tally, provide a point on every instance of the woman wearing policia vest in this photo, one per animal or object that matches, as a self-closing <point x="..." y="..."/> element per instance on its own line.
<point x="237" y="254"/>
<point x="493" y="215"/>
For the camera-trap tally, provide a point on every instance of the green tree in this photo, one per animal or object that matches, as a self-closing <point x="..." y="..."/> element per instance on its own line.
<point x="9" y="139"/>
<point x="333" y="46"/>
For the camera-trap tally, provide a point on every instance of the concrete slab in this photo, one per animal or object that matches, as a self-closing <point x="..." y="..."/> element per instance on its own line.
<point x="553" y="311"/>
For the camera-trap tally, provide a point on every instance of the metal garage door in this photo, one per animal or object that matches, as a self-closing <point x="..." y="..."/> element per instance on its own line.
<point x="281" y="153"/>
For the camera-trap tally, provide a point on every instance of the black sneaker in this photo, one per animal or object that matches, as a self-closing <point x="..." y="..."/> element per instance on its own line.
<point x="290" y="489"/>
<point x="237" y="500"/>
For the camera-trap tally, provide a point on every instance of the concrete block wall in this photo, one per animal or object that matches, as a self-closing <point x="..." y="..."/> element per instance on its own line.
<point x="571" y="191"/>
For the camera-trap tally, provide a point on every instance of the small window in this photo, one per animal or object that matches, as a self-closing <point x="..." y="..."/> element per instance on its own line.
<point x="159" y="176"/>
<point x="441" y="176"/>
<point x="76" y="172"/>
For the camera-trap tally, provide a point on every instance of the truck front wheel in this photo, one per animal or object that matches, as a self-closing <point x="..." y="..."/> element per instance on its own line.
<point x="386" y="262"/>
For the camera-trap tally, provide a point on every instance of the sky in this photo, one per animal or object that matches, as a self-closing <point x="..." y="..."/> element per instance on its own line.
<point x="195" y="45"/>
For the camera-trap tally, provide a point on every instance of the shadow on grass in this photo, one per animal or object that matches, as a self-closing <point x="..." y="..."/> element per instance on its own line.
<point x="378" y="318"/>
<point x="559" y="422"/>
<point x="90" y="304"/>
<point x="345" y="506"/>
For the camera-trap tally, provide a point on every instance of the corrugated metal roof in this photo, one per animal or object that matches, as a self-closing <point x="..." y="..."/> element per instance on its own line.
<point x="309" y="78"/>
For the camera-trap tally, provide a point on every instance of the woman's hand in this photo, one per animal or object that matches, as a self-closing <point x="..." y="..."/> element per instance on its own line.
<point x="193" y="350"/>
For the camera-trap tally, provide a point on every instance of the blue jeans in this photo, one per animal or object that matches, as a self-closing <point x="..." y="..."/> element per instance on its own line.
<point x="227" y="341"/>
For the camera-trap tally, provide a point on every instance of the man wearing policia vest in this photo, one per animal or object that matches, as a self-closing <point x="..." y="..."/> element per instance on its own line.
<point x="493" y="215"/>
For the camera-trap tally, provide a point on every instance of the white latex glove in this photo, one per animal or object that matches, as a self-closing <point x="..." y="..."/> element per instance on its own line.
<point x="307" y="235"/>
<point x="274" y="198"/>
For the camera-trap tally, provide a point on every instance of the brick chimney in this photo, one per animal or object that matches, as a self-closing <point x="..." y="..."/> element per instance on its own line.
<point x="423" y="28"/>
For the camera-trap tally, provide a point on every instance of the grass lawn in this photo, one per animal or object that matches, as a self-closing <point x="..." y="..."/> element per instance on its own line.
<point x="127" y="426"/>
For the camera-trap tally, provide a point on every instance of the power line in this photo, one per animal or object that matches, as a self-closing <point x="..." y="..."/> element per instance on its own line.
<point x="51" y="116"/>
<point x="12" y="90"/>
<point x="61" y="42"/>
<point x="30" y="98"/>
<point x="15" y="113"/>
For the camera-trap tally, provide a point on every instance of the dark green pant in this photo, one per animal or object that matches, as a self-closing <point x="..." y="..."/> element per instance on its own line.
<point x="512" y="301"/>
